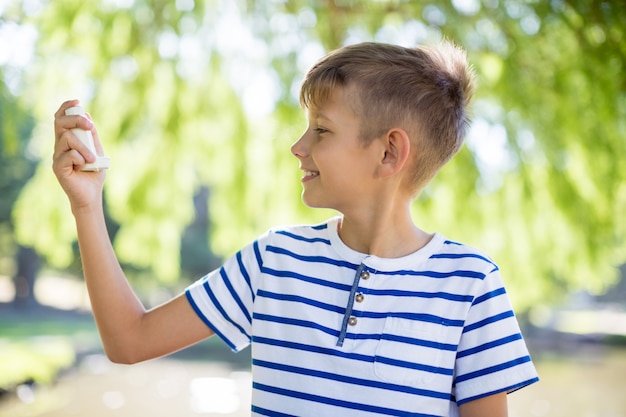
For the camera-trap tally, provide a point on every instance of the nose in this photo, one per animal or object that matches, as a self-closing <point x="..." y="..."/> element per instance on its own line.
<point x="300" y="147"/>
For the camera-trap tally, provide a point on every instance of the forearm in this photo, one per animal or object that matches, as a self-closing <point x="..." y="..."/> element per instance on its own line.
<point x="117" y="310"/>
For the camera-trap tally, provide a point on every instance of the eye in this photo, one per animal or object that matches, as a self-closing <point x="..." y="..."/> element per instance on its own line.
<point x="320" y="130"/>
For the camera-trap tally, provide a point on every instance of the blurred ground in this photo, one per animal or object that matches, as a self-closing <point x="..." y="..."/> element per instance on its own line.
<point x="164" y="387"/>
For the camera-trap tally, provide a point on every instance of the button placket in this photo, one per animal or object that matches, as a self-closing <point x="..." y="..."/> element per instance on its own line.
<point x="349" y="319"/>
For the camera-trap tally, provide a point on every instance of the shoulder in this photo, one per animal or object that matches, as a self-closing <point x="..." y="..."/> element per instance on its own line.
<point x="300" y="234"/>
<point x="462" y="256"/>
<point x="303" y="231"/>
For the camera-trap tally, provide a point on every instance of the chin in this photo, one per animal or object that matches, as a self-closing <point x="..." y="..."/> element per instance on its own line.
<point x="312" y="202"/>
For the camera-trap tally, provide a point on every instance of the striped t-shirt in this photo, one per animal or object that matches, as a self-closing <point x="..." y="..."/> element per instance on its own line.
<point x="335" y="332"/>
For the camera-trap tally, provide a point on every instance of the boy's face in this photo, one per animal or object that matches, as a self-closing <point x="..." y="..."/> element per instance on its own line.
<point x="338" y="169"/>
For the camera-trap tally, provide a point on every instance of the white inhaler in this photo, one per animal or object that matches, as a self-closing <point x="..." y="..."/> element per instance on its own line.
<point x="102" y="162"/>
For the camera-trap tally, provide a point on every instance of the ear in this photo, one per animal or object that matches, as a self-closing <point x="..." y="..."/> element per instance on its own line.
<point x="397" y="148"/>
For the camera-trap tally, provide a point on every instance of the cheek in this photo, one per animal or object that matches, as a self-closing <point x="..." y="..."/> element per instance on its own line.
<point x="322" y="153"/>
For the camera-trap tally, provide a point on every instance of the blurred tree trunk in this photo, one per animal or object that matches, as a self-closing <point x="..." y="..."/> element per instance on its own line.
<point x="196" y="255"/>
<point x="28" y="264"/>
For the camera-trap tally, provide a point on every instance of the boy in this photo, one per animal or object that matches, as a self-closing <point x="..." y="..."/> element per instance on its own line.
<point x="365" y="314"/>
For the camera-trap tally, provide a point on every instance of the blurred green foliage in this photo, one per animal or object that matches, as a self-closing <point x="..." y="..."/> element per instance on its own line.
<point x="189" y="94"/>
<point x="16" y="166"/>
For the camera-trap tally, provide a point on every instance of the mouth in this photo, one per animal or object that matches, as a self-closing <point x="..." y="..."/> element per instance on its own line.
<point x="309" y="175"/>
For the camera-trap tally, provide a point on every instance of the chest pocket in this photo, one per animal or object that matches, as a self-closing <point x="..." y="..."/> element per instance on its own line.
<point x="408" y="352"/>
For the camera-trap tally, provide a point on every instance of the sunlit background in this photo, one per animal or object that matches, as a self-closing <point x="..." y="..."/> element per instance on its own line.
<point x="196" y="103"/>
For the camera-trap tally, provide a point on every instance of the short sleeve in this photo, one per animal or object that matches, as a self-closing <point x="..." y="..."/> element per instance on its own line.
<point x="224" y="298"/>
<point x="492" y="356"/>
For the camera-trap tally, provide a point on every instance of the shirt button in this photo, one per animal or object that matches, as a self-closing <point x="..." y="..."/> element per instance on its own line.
<point x="359" y="298"/>
<point x="352" y="321"/>
<point x="365" y="275"/>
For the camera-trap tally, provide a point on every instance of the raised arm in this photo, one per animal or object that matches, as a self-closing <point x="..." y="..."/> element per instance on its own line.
<point x="129" y="333"/>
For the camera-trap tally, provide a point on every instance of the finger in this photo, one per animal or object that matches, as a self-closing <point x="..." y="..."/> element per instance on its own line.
<point x="67" y="123"/>
<point x="63" y="122"/>
<point x="66" y="105"/>
<point x="65" y="162"/>
<point x="68" y="142"/>
<point x="96" y="141"/>
<point x="96" y="137"/>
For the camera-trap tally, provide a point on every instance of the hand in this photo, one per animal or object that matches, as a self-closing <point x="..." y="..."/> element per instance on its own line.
<point x="84" y="189"/>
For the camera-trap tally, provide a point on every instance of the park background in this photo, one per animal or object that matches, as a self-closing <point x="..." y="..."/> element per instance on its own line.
<point x="196" y="103"/>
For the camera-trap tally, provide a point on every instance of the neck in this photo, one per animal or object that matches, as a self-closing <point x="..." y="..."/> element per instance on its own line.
<point x="385" y="234"/>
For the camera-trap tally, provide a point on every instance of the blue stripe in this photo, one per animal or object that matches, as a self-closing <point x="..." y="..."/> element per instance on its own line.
<point x="295" y="322"/>
<point x="244" y="273"/>
<point x="318" y="281"/>
<point x="351" y="380"/>
<point x="266" y="412"/>
<point x="492" y="369"/>
<point x="300" y="299"/>
<point x="322" y="226"/>
<point x="420" y="294"/>
<point x="403" y="339"/>
<point x="312" y="259"/>
<point x="428" y="318"/>
<point x="302" y="238"/>
<point x="413" y="365"/>
<point x="508" y="389"/>
<point x="435" y="274"/>
<point x="221" y="310"/>
<point x="313" y="349"/>
<point x="461" y="256"/>
<point x="207" y="322"/>
<point x="489" y="295"/>
<point x="257" y="254"/>
<point x="489" y="345"/>
<point x="336" y="402"/>
<point x="512" y="388"/>
<point x="235" y="295"/>
<point x="419" y="342"/>
<point x="488" y="320"/>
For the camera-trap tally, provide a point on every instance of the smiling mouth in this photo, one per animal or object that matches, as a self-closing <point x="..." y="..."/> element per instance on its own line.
<point x="309" y="176"/>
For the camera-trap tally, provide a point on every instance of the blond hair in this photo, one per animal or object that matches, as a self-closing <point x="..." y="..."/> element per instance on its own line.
<point x="424" y="90"/>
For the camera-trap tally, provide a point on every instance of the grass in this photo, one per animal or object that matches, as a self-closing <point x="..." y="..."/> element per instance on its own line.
<point x="36" y="344"/>
<point x="36" y="360"/>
